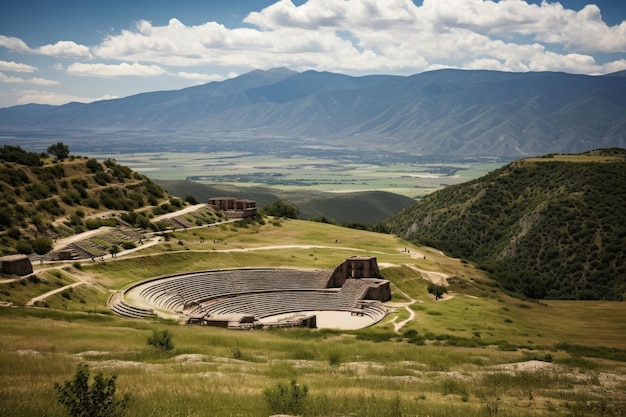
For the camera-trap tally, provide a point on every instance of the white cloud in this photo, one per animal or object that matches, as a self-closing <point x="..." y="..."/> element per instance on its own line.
<point x="197" y="76"/>
<point x="118" y="70"/>
<point x="66" y="49"/>
<point x="316" y="14"/>
<point x="14" y="44"/>
<point x="358" y="36"/>
<point x="17" y="80"/>
<point x="49" y="97"/>
<point x="615" y="66"/>
<point x="16" y="67"/>
<point x="549" y="22"/>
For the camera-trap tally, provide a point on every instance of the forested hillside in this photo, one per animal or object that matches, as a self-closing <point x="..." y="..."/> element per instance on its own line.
<point x="551" y="227"/>
<point x="42" y="198"/>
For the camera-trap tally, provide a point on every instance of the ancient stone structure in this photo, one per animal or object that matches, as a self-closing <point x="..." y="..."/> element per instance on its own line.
<point x="233" y="207"/>
<point x="16" y="265"/>
<point x="262" y="297"/>
<point x="354" y="267"/>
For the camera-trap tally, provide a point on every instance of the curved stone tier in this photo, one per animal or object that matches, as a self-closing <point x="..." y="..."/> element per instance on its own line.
<point x="234" y="296"/>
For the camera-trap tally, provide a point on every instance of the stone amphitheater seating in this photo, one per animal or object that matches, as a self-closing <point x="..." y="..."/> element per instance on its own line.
<point x="122" y="308"/>
<point x="176" y="293"/>
<point x="265" y="304"/>
<point x="258" y="292"/>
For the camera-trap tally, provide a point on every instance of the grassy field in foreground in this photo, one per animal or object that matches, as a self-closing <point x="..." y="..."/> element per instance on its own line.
<point x="478" y="352"/>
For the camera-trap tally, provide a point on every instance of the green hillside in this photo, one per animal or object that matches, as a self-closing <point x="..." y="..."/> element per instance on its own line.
<point x="478" y="352"/>
<point x="367" y="207"/>
<point x="551" y="227"/>
<point x="42" y="198"/>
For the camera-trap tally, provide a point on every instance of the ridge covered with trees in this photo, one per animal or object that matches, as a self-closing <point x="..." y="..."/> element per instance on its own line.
<point x="42" y="198"/>
<point x="551" y="227"/>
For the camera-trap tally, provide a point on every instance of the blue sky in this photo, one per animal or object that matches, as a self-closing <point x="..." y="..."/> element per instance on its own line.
<point x="54" y="52"/>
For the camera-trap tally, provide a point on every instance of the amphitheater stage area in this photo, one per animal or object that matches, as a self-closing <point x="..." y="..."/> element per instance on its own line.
<point x="350" y="296"/>
<point x="340" y="320"/>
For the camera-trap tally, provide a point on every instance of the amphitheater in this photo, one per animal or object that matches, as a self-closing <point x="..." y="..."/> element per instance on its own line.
<point x="349" y="296"/>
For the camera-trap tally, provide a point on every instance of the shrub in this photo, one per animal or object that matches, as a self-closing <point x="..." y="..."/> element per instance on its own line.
<point x="161" y="339"/>
<point x="334" y="358"/>
<point x="102" y="178"/>
<point x="129" y="245"/>
<point x="191" y="200"/>
<point x="42" y="245"/>
<point x="97" y="400"/>
<point x="176" y="202"/>
<point x="93" y="165"/>
<point x="24" y="246"/>
<point x="16" y="154"/>
<point x="281" y="209"/>
<point x="286" y="399"/>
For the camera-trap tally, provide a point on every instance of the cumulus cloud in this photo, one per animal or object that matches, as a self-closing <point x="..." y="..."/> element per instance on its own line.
<point x="38" y="81"/>
<point x="65" y="49"/>
<point x="14" y="44"/>
<point x="62" y="49"/>
<point x="115" y="70"/>
<point x="54" y="98"/>
<point x="197" y="76"/>
<point x="396" y="36"/>
<point x="16" y="67"/>
<point x="615" y="66"/>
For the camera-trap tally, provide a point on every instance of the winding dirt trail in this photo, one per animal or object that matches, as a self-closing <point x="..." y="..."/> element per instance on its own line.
<point x="438" y="278"/>
<point x="42" y="297"/>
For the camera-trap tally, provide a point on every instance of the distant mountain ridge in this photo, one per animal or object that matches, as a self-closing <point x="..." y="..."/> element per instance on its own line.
<point x="443" y="112"/>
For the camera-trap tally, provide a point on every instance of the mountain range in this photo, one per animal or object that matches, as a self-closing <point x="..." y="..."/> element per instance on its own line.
<point x="442" y="112"/>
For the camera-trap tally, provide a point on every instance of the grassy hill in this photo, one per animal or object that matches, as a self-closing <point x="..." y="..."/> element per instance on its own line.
<point x="551" y="227"/>
<point x="477" y="352"/>
<point x="42" y="198"/>
<point x="367" y="207"/>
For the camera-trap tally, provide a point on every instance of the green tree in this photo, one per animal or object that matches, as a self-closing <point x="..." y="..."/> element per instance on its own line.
<point x="437" y="290"/>
<point x="42" y="245"/>
<point x="281" y="209"/>
<point x="114" y="250"/>
<point x="93" y="165"/>
<point x="98" y="400"/>
<point x="60" y="150"/>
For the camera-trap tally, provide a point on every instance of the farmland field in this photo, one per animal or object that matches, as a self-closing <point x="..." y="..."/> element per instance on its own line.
<point x="409" y="176"/>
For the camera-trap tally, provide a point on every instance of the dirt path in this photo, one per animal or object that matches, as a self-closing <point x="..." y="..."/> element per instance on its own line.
<point x="186" y="210"/>
<point x="406" y="306"/>
<point x="61" y="243"/>
<point x="438" y="278"/>
<point x="42" y="297"/>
